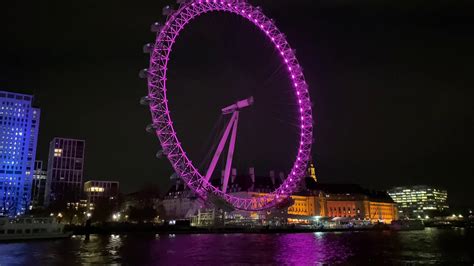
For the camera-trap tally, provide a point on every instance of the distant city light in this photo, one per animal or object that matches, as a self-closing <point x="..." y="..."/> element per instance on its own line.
<point x="116" y="216"/>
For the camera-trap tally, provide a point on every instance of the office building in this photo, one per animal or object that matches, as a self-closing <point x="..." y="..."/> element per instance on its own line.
<point x="65" y="171"/>
<point x="38" y="187"/>
<point x="419" y="201"/>
<point x="19" y="125"/>
<point x="96" y="190"/>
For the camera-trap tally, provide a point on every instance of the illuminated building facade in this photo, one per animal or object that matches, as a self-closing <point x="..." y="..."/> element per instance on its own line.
<point x="303" y="205"/>
<point x="414" y="201"/>
<point x="340" y="200"/>
<point x="38" y="187"/>
<point x="65" y="170"/>
<point x="361" y="206"/>
<point x="96" y="190"/>
<point x="19" y="126"/>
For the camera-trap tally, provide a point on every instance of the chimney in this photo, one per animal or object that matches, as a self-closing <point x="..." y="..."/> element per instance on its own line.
<point x="282" y="176"/>
<point x="272" y="176"/>
<point x="234" y="174"/>
<point x="252" y="174"/>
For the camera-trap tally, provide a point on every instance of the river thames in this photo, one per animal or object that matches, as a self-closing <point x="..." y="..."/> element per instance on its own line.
<point x="430" y="246"/>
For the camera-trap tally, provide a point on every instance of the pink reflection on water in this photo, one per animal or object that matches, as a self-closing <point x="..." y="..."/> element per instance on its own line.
<point x="282" y="249"/>
<point x="310" y="249"/>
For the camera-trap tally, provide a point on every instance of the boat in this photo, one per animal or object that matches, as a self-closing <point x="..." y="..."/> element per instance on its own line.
<point x="408" y="224"/>
<point x="29" y="228"/>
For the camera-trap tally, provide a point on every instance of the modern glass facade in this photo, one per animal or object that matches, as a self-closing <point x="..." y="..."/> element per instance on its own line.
<point x="65" y="171"/>
<point x="414" y="201"/>
<point x="19" y="126"/>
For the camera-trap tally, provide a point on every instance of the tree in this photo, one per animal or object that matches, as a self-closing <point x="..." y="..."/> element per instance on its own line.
<point x="103" y="209"/>
<point x="142" y="214"/>
<point x="144" y="204"/>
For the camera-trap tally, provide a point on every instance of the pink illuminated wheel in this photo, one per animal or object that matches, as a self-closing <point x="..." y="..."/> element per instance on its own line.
<point x="162" y="124"/>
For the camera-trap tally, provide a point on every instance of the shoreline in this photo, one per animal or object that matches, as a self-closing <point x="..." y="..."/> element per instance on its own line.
<point x="105" y="230"/>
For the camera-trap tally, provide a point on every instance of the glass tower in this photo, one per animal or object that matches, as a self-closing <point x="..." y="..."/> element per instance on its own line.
<point x="65" y="171"/>
<point x="19" y="125"/>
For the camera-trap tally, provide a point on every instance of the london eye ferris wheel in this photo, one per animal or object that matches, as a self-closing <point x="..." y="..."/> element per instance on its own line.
<point x="162" y="123"/>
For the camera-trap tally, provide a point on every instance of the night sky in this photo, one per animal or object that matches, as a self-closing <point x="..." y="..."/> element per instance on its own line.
<point x="392" y="85"/>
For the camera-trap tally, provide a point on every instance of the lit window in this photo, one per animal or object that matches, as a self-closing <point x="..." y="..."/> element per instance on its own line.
<point x="58" y="152"/>
<point x="96" y="189"/>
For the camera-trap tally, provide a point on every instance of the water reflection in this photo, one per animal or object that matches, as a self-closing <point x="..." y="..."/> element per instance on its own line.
<point x="307" y="249"/>
<point x="98" y="249"/>
<point x="429" y="246"/>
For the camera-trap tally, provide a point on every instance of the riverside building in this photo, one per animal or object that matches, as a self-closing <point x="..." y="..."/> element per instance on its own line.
<point x="19" y="126"/>
<point x="341" y="200"/>
<point x="419" y="201"/>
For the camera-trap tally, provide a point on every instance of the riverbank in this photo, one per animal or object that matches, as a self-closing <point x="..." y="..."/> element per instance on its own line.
<point x="117" y="228"/>
<point x="125" y="228"/>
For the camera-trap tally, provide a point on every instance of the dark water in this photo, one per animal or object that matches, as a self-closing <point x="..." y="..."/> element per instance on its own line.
<point x="431" y="246"/>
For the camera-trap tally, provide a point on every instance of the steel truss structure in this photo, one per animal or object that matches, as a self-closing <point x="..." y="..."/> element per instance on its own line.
<point x="162" y="124"/>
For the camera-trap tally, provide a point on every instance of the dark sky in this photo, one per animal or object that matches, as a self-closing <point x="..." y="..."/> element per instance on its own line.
<point x="391" y="83"/>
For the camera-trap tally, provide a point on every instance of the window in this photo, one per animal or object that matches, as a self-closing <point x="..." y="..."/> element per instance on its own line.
<point x="10" y="231"/>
